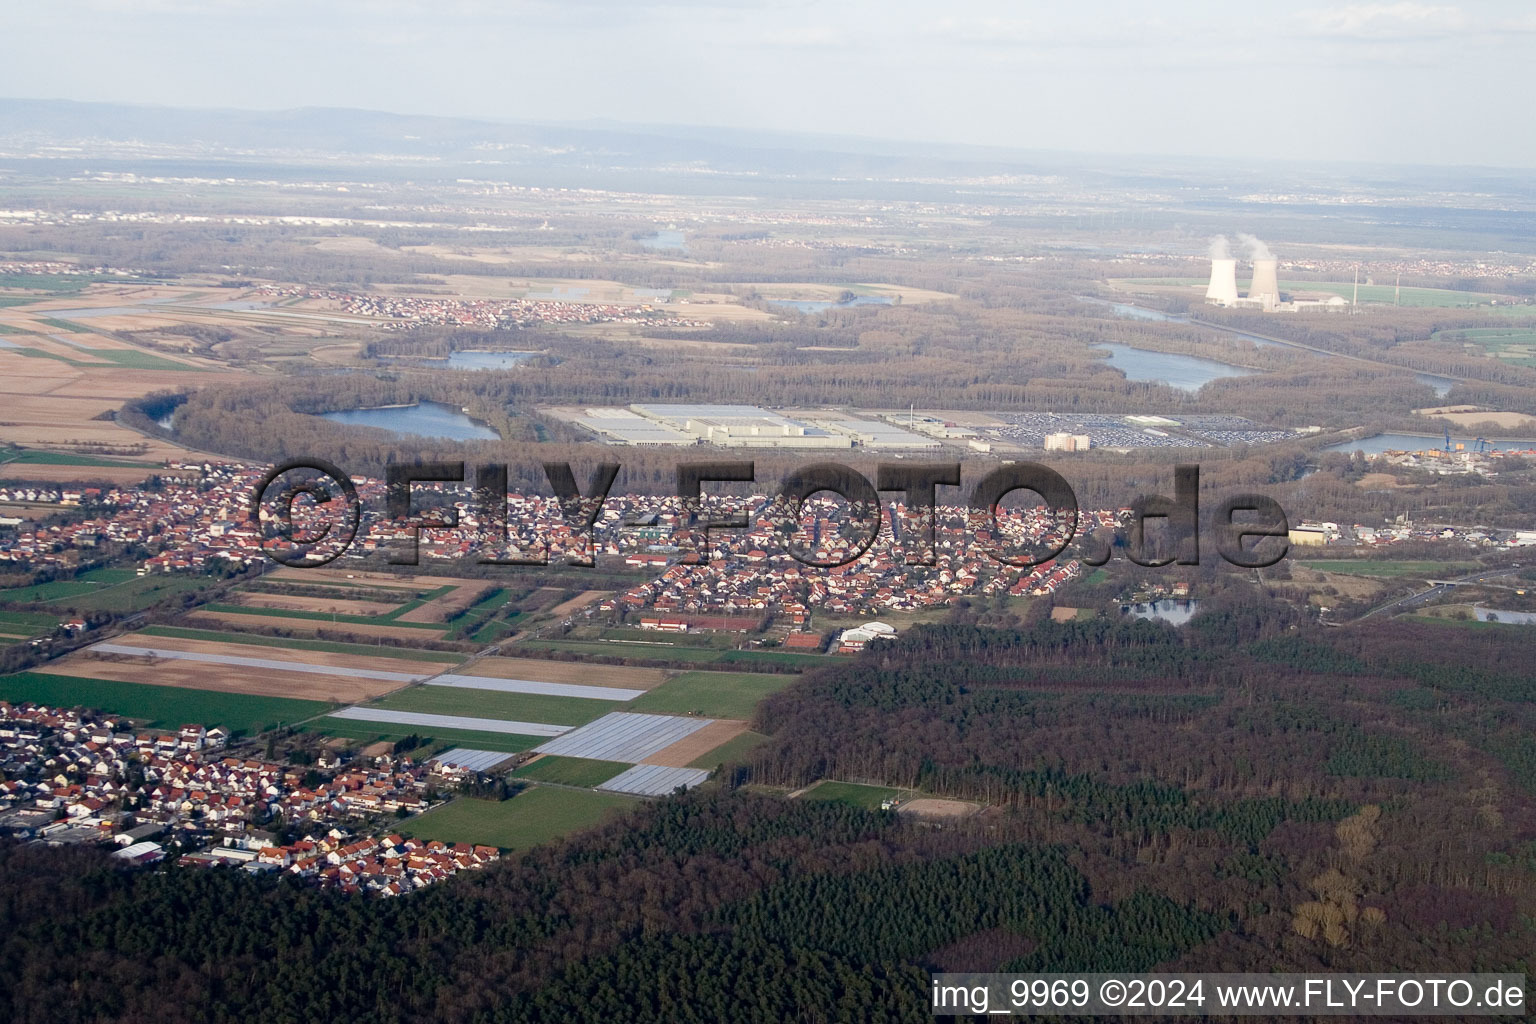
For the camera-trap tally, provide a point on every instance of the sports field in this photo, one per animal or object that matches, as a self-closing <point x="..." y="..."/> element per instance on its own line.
<point x="164" y="707"/>
<point x="867" y="797"/>
<point x="713" y="694"/>
<point x="534" y="816"/>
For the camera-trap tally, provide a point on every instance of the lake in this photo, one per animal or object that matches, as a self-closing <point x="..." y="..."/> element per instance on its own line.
<point x="665" y="240"/>
<point x="1499" y="615"/>
<point x="425" y="419"/>
<point x="1175" y="613"/>
<point x="1187" y="373"/>
<point x="1379" y="443"/>
<point x="469" y="359"/>
<point x="1441" y="385"/>
<point x="817" y="306"/>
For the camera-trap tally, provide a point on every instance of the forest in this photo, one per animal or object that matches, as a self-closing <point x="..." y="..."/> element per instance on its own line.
<point x="1249" y="793"/>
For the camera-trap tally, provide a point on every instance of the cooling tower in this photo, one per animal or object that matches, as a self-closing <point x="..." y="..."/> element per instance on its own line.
<point x="1223" y="289"/>
<point x="1266" y="280"/>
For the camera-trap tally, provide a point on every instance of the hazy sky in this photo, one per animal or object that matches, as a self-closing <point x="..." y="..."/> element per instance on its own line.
<point x="1397" y="81"/>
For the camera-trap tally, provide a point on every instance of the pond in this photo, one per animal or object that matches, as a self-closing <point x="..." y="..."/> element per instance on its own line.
<point x="425" y="419"/>
<point x="1499" y="615"/>
<point x="669" y="239"/>
<point x="1187" y="373"/>
<point x="1175" y="613"/>
<point x="1441" y="385"/>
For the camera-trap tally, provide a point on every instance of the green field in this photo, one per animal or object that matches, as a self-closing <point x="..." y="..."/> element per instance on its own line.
<point x="868" y="797"/>
<point x="1373" y="293"/>
<point x="111" y="590"/>
<point x="336" y="647"/>
<point x="163" y="707"/>
<point x="514" y="707"/>
<point x="133" y="359"/>
<point x="712" y="694"/>
<point x="704" y="640"/>
<point x="534" y="816"/>
<point x="367" y="732"/>
<point x="57" y="284"/>
<point x="731" y="751"/>
<point x="607" y="650"/>
<point x="361" y="620"/>
<point x="785" y="658"/>
<point x="1364" y="567"/>
<point x="570" y="771"/>
<point x="33" y="457"/>
<point x="63" y="325"/>
<point x="665" y="653"/>
<point x="29" y="620"/>
<point x="1513" y="345"/>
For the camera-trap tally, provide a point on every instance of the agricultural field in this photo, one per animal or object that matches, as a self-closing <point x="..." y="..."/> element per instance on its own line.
<point x="664" y="652"/>
<point x="161" y="707"/>
<point x="512" y="707"/>
<point x="60" y="380"/>
<point x="713" y="694"/>
<point x="1513" y="345"/>
<point x="238" y="668"/>
<point x="108" y="590"/>
<point x="533" y="816"/>
<point x="697" y="745"/>
<point x="732" y="750"/>
<point x="293" y="643"/>
<point x="623" y="676"/>
<point x="436" y="737"/>
<point x="569" y="771"/>
<point x="220" y="617"/>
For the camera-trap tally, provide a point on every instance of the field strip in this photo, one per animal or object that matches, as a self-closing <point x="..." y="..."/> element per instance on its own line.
<point x="654" y="780"/>
<point x="267" y="663"/>
<point x="449" y="721"/>
<point x="623" y="736"/>
<point x="530" y="686"/>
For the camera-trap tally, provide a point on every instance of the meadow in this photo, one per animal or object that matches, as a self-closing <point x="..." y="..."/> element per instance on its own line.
<point x="533" y="816"/>
<point x="712" y="694"/>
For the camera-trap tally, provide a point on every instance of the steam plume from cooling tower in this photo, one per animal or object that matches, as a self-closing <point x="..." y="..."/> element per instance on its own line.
<point x="1257" y="250"/>
<point x="1219" y="249"/>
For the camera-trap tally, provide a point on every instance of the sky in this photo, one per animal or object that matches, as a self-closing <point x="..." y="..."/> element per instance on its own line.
<point x="1394" y="82"/>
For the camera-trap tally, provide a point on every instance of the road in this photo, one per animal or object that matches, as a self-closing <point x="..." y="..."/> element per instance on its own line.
<point x="1436" y="589"/>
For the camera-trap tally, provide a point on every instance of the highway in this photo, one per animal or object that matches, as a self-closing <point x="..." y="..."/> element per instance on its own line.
<point x="1437" y="588"/>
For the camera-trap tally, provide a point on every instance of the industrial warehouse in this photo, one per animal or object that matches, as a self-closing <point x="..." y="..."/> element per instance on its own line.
<point x="742" y="426"/>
